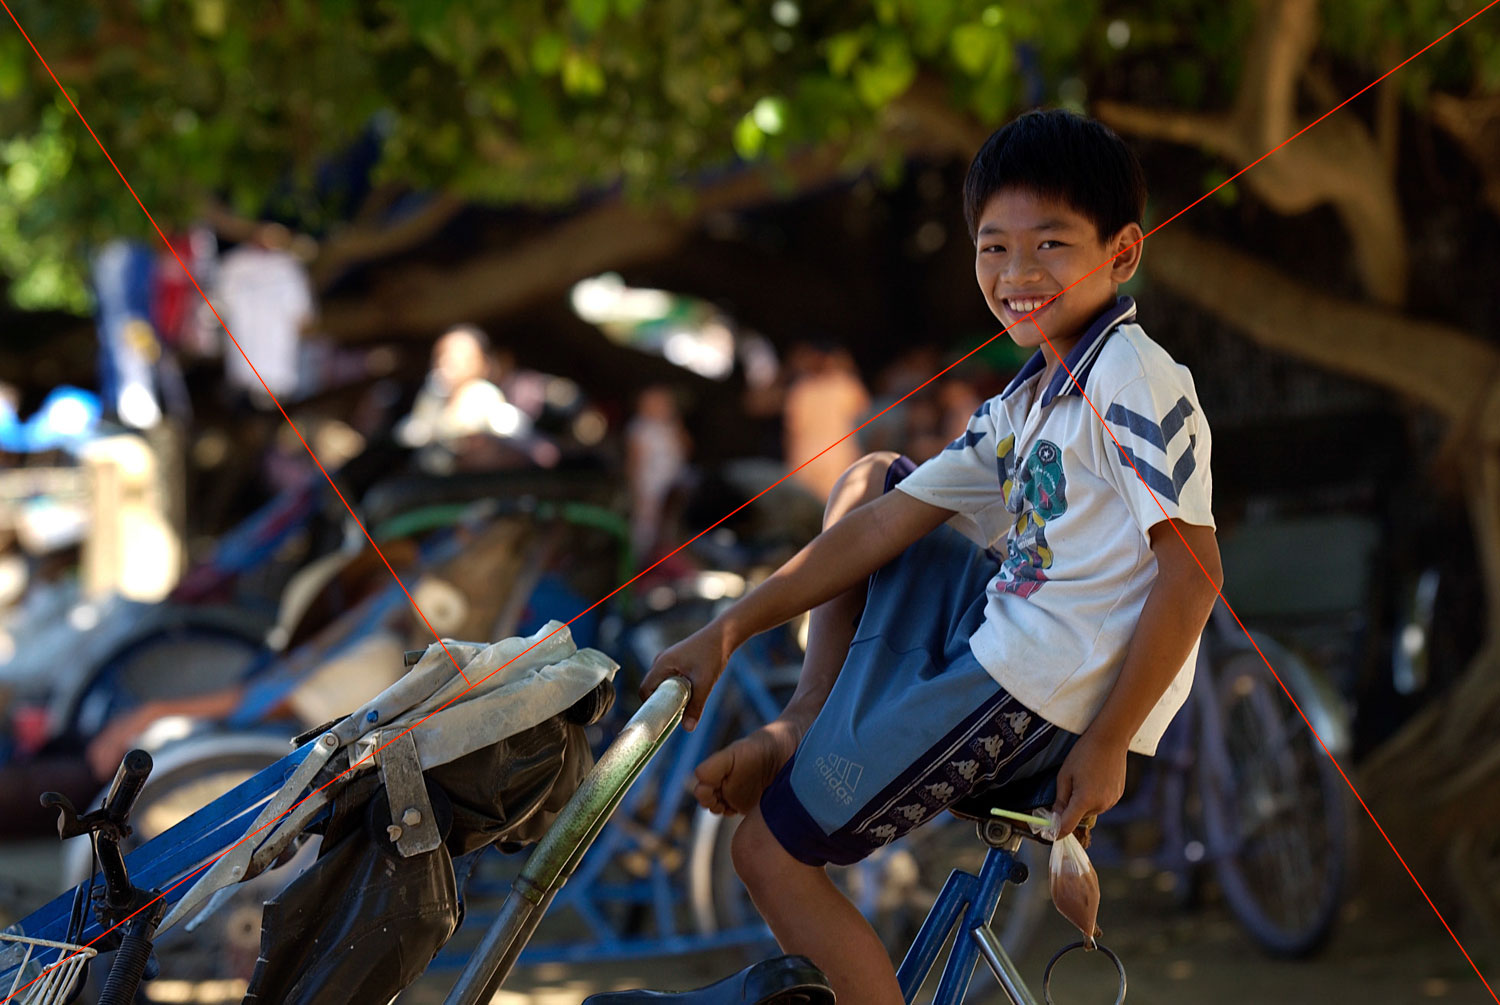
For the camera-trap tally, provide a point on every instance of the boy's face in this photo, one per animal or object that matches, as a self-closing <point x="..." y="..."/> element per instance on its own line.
<point x="1030" y="249"/>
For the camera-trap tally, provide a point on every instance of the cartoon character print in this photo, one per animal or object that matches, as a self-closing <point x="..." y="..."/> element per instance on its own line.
<point x="1036" y="493"/>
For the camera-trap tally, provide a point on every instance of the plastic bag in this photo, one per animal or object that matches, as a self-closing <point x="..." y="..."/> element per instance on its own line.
<point x="1075" y="884"/>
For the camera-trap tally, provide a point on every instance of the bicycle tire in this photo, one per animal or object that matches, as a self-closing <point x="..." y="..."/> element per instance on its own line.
<point x="1275" y="813"/>
<point x="174" y="661"/>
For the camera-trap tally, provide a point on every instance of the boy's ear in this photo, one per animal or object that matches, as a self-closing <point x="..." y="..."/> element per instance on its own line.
<point x="1127" y="246"/>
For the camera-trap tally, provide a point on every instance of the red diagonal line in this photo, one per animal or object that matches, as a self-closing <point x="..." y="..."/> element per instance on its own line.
<point x="731" y="512"/>
<point x="193" y="279"/>
<point x="1127" y="457"/>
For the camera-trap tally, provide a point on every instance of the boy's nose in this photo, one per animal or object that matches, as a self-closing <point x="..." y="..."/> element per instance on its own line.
<point x="1021" y="269"/>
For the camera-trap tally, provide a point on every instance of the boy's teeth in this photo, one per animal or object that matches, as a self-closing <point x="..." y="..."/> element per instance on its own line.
<point x="1027" y="305"/>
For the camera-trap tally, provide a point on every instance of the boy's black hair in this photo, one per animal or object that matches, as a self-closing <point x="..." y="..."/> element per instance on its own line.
<point x="1059" y="155"/>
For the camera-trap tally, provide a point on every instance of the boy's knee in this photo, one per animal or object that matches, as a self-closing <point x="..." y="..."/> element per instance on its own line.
<point x="754" y="850"/>
<point x="861" y="482"/>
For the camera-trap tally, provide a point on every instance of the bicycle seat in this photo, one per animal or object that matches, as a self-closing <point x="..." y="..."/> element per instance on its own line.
<point x="785" y="980"/>
<point x="1021" y="796"/>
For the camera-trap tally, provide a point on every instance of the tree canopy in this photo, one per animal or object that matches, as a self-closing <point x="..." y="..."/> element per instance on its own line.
<point x="255" y="106"/>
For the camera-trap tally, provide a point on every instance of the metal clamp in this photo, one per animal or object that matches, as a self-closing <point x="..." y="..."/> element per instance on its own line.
<point x="413" y="825"/>
<point x="999" y="834"/>
<point x="233" y="865"/>
<point x="1088" y="946"/>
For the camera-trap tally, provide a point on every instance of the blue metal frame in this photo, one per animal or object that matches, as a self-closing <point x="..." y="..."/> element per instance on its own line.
<point x="965" y="899"/>
<point x="172" y="854"/>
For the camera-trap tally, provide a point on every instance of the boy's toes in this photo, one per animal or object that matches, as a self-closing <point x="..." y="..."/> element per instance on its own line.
<point x="716" y="767"/>
<point x="710" y="798"/>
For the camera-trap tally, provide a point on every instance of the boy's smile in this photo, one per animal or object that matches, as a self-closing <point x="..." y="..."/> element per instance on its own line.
<point x="1042" y="268"/>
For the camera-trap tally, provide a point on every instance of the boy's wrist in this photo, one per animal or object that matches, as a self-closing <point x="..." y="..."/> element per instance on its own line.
<point x="728" y="632"/>
<point x="1107" y="734"/>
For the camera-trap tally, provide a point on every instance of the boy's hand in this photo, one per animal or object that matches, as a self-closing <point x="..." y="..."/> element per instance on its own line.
<point x="700" y="658"/>
<point x="1090" y="781"/>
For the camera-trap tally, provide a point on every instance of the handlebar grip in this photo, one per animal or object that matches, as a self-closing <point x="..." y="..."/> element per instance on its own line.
<point x="135" y="767"/>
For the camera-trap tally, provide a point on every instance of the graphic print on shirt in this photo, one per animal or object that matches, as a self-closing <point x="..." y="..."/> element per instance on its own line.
<point x="1036" y="492"/>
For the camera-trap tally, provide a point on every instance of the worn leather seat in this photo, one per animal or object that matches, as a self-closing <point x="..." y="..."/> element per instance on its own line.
<point x="785" y="980"/>
<point x="1021" y="796"/>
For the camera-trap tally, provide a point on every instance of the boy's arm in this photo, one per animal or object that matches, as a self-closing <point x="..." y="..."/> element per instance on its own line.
<point x="1092" y="777"/>
<point x="842" y="556"/>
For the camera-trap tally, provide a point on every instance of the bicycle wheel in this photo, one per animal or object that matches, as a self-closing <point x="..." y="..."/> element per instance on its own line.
<point x="1274" y="812"/>
<point x="220" y="953"/>
<point x="174" y="662"/>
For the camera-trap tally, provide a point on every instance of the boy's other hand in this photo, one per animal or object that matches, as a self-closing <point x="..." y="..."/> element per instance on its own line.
<point x="700" y="658"/>
<point x="1090" y="781"/>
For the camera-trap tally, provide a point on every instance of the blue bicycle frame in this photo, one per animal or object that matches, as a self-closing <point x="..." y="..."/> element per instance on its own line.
<point x="170" y="856"/>
<point x="969" y="901"/>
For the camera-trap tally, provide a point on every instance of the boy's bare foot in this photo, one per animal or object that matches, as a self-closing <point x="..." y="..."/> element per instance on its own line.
<point x="732" y="780"/>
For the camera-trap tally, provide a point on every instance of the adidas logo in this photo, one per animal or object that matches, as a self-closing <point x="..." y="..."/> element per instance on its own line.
<point x="840" y="774"/>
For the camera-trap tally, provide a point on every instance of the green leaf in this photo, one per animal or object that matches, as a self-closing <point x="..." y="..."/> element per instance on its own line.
<point x="887" y="77"/>
<point x="973" y="46"/>
<point x="547" y="53"/>
<point x="930" y="21"/>
<point x="843" y="49"/>
<point x="12" y="74"/>
<point x="590" y="14"/>
<point x="209" y="17"/>
<point x="748" y="139"/>
<point x="581" y="76"/>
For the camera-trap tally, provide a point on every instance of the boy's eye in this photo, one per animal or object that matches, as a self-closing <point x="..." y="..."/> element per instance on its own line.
<point x="991" y="247"/>
<point x="1053" y="243"/>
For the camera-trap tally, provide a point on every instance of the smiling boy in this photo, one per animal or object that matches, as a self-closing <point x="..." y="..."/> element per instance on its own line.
<point x="1050" y="626"/>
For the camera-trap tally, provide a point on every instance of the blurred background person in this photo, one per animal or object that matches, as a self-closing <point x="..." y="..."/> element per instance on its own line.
<point x="266" y="301"/>
<point x="461" y="420"/>
<point x="825" y="399"/>
<point x="657" y="447"/>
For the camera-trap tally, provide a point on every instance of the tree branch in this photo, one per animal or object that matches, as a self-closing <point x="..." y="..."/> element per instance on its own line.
<point x="1285" y="35"/>
<point x="1443" y="368"/>
<point x="610" y="235"/>
<point x="1474" y="123"/>
<point x="423" y="300"/>
<point x="1339" y="162"/>
<point x="1213" y="133"/>
<point x="361" y="242"/>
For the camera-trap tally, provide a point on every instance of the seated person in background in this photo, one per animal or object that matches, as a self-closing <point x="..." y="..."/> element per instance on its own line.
<point x="461" y="421"/>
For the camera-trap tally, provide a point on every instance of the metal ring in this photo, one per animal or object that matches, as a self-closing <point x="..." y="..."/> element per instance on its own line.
<point x="1081" y="944"/>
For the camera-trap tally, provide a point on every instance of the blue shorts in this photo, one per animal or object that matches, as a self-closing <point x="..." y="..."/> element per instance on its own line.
<point x="914" y="723"/>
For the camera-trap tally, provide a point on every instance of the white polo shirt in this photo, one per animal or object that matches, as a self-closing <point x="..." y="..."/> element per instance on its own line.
<point x="1056" y="501"/>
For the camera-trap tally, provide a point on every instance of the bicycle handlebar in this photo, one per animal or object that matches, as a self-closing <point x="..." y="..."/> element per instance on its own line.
<point x="131" y="777"/>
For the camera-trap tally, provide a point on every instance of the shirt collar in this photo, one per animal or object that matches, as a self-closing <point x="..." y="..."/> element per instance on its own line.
<point x="1080" y="359"/>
